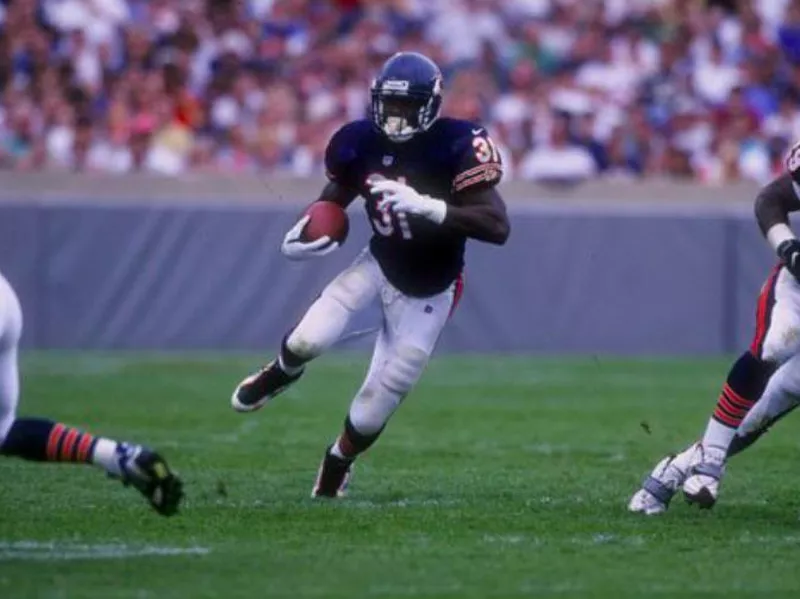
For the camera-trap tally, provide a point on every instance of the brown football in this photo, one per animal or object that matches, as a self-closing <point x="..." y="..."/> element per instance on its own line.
<point x="328" y="219"/>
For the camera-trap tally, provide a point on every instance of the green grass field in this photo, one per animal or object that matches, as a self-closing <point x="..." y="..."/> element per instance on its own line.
<point x="500" y="477"/>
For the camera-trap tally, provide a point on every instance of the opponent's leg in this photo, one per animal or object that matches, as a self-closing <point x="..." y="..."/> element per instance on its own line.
<point x="745" y="382"/>
<point x="43" y="440"/>
<point x="781" y="396"/>
<point x="412" y="327"/>
<point x="321" y="326"/>
<point x="663" y="482"/>
<point x="776" y="340"/>
<point x="703" y="463"/>
<point x="744" y="385"/>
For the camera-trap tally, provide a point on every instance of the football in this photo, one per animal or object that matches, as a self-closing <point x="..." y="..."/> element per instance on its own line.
<point x="328" y="219"/>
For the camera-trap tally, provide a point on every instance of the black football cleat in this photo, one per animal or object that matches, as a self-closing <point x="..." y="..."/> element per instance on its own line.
<point x="333" y="476"/>
<point x="148" y="473"/>
<point x="257" y="389"/>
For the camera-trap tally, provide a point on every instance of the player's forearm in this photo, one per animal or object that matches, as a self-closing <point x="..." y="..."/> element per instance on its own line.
<point x="484" y="223"/>
<point x="338" y="194"/>
<point x="772" y="207"/>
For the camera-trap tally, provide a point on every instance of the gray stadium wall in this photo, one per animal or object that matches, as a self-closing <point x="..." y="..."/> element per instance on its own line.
<point x="576" y="277"/>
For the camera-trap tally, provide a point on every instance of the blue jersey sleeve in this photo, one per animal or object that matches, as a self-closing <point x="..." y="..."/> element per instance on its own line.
<point x="341" y="155"/>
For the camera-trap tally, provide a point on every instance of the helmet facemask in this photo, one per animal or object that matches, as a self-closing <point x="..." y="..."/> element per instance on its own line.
<point x="401" y="114"/>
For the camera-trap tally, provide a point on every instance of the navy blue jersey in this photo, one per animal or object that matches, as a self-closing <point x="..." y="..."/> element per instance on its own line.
<point x="417" y="256"/>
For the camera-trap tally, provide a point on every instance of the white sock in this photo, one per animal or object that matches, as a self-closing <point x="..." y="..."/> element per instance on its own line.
<point x="718" y="435"/>
<point x="105" y="456"/>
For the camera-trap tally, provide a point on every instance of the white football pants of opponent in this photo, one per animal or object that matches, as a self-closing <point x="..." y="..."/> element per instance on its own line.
<point x="781" y="346"/>
<point x="10" y="332"/>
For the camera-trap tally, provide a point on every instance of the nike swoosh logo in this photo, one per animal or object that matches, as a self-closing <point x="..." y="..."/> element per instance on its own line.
<point x="476" y="131"/>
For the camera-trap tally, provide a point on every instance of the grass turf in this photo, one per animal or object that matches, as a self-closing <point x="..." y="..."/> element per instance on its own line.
<point x="500" y="477"/>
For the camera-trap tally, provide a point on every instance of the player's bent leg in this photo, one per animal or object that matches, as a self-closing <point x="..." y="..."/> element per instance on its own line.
<point x="369" y="413"/>
<point x="335" y="470"/>
<point x="411" y="329"/>
<point x="321" y="327"/>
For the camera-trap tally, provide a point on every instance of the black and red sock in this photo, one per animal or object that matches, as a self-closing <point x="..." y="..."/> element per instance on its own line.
<point x="745" y="384"/>
<point x="42" y="440"/>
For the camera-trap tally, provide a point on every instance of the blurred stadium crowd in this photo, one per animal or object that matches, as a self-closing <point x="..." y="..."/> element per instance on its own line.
<point x="570" y="89"/>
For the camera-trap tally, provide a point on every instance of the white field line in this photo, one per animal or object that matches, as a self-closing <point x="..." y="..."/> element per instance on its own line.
<point x="526" y="540"/>
<point x="53" y="551"/>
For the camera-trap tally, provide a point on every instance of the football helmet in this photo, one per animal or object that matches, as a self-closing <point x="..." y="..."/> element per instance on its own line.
<point x="406" y="96"/>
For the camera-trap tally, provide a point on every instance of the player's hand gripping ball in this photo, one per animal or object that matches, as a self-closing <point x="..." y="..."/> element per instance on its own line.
<point x="321" y="230"/>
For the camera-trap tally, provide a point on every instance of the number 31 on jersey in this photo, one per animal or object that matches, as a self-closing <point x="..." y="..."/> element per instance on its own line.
<point x="384" y="225"/>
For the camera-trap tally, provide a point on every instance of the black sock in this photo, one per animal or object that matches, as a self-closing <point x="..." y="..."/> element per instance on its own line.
<point x="42" y="440"/>
<point x="288" y="360"/>
<point x="352" y="443"/>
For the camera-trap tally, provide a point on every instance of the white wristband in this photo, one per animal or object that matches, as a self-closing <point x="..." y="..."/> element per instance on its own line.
<point x="779" y="233"/>
<point x="438" y="210"/>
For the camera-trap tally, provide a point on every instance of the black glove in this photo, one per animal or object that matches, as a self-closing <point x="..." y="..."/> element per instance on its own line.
<point x="789" y="253"/>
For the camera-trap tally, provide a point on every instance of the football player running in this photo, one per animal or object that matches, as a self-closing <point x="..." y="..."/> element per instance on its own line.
<point x="764" y="383"/>
<point x="43" y="440"/>
<point x="428" y="184"/>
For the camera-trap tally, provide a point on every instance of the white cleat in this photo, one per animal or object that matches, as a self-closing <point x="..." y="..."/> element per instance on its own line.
<point x="660" y="487"/>
<point x="702" y="485"/>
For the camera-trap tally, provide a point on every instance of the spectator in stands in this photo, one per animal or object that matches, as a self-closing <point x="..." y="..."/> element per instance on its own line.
<point x="559" y="160"/>
<point x="169" y="86"/>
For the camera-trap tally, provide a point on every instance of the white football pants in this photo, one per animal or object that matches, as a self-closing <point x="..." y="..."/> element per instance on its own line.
<point x="410" y="329"/>
<point x="10" y="332"/>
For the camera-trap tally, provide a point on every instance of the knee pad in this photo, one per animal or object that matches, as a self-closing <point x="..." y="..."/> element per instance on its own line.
<point x="403" y="369"/>
<point x="320" y="328"/>
<point x="379" y="398"/>
<point x="372" y="408"/>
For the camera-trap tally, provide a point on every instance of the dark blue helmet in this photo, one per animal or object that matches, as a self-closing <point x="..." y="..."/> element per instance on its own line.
<point x="406" y="95"/>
